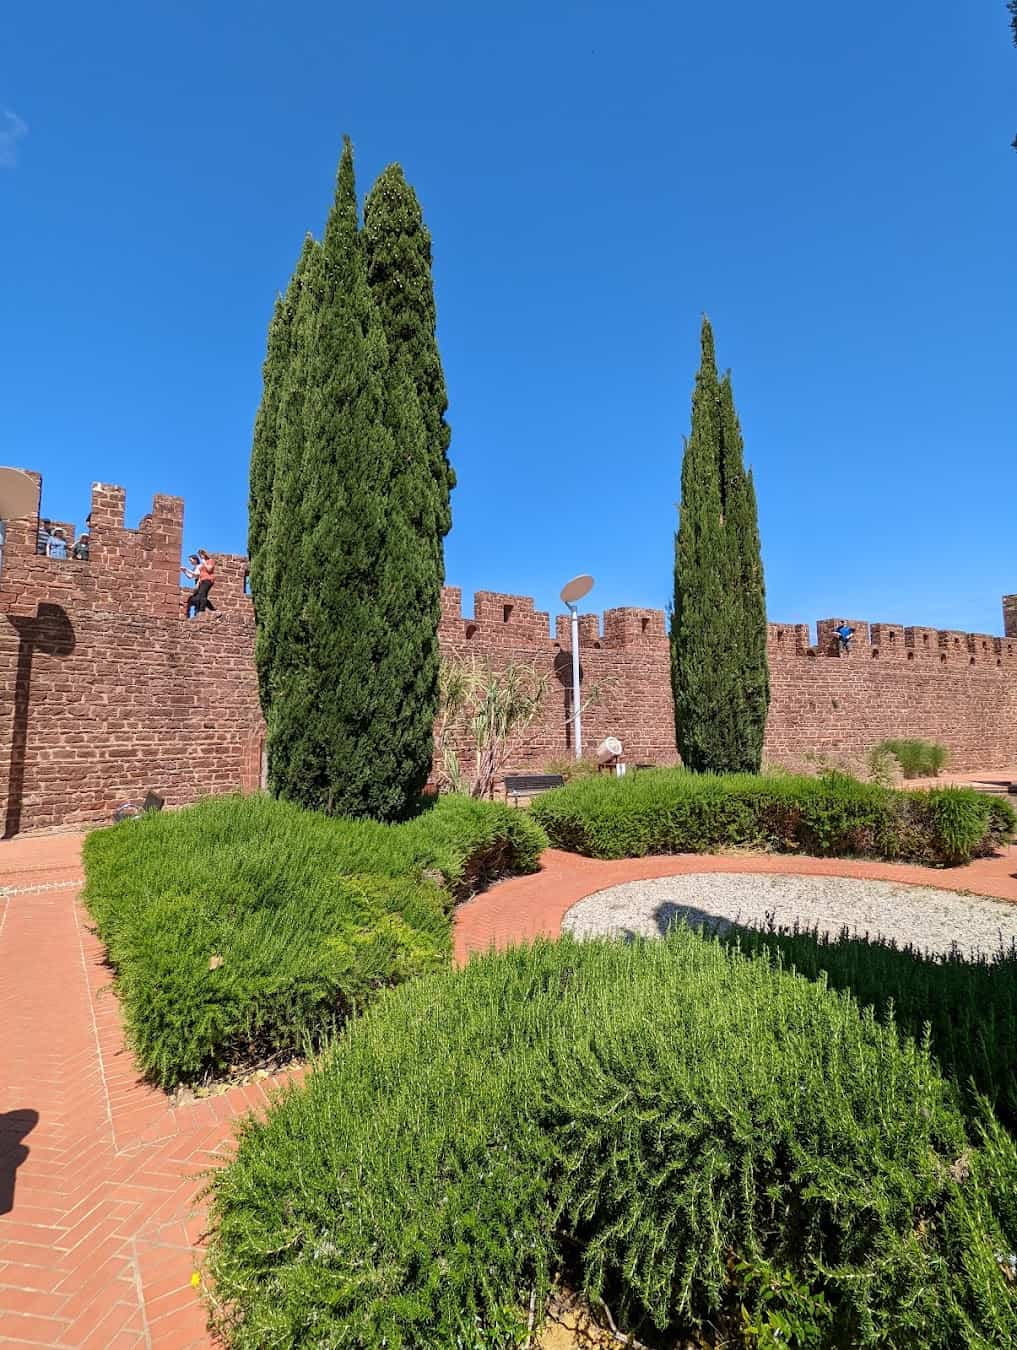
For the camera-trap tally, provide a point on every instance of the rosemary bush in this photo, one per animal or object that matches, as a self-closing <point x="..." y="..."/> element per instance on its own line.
<point x="968" y="1008"/>
<point x="246" y="926"/>
<point x="660" y="1121"/>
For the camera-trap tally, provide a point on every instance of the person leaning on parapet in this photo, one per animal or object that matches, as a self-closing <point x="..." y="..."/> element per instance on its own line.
<point x="56" y="546"/>
<point x="844" y="635"/>
<point x="80" y="549"/>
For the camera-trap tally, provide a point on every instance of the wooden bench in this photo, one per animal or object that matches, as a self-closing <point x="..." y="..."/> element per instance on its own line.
<point x="530" y="784"/>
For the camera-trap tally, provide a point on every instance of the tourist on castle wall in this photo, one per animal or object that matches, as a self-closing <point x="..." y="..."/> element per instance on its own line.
<point x="844" y="635"/>
<point x="191" y="573"/>
<point x="43" y="538"/>
<point x="199" y="600"/>
<point x="80" y="549"/>
<point x="56" y="546"/>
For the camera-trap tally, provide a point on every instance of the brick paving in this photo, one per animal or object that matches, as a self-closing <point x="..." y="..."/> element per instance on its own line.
<point x="100" y="1221"/>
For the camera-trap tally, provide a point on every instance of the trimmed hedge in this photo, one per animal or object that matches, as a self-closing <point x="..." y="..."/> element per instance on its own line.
<point x="674" y="811"/>
<point x="245" y="926"/>
<point x="668" y="1124"/>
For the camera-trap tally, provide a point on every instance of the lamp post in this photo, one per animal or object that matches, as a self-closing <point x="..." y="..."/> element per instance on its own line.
<point x="571" y="594"/>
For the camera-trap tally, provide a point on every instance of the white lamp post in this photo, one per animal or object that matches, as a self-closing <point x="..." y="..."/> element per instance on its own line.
<point x="571" y="594"/>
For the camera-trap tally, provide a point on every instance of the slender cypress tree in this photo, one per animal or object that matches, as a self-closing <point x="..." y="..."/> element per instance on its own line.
<point x="277" y="439"/>
<point x="718" y="629"/>
<point x="343" y="713"/>
<point x="741" y="527"/>
<point x="398" y="249"/>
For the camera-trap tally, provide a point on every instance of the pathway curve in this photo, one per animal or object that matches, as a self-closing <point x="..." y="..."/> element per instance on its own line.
<point x="100" y="1226"/>
<point x="523" y="908"/>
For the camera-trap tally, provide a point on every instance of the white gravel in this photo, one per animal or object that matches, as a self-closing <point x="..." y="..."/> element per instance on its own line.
<point x="931" y="920"/>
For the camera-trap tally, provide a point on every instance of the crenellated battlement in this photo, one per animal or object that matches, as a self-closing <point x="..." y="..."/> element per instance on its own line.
<point x="513" y="621"/>
<point x="138" y="571"/>
<point x="106" y="691"/>
<point x="929" y="646"/>
<point x="130" y="570"/>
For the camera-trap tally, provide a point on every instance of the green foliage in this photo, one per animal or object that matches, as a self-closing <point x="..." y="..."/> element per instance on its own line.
<point x="275" y="523"/>
<point x="570" y="769"/>
<point x="968" y="1008"/>
<point x="674" y="811"/>
<point x="666" y="1121"/>
<point x="786" y="1312"/>
<point x="245" y="926"/>
<point x="397" y="252"/>
<point x="917" y="759"/>
<point x="483" y="714"/>
<point x="397" y="245"/>
<point x="349" y="504"/>
<point x="719" y="671"/>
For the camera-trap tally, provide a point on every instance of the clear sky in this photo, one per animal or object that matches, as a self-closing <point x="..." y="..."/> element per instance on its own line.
<point x="833" y="185"/>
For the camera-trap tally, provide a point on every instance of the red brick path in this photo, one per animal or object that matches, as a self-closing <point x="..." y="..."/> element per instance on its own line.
<point x="99" y="1224"/>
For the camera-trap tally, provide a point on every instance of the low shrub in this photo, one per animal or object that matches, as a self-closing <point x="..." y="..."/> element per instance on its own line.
<point x="680" y="1130"/>
<point x="245" y="926"/>
<point x="674" y="811"/>
<point x="968" y="1008"/>
<point x="571" y="769"/>
<point x="917" y="759"/>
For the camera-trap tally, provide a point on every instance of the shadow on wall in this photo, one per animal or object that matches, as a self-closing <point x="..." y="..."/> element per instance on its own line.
<point x="14" y="1125"/>
<point x="51" y="633"/>
<point x="563" y="673"/>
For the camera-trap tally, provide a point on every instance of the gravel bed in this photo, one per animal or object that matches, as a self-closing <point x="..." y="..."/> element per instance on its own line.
<point x="930" y="920"/>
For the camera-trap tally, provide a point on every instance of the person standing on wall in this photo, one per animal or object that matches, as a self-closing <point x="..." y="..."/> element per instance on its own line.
<point x="191" y="573"/>
<point x="844" y="635"/>
<point x="206" y="580"/>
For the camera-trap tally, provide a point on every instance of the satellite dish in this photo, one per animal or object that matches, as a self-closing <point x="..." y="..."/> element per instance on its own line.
<point x="575" y="589"/>
<point x="19" y="494"/>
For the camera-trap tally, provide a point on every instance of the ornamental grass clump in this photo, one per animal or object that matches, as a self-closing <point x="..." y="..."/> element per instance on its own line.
<point x="245" y="927"/>
<point x="658" y="1123"/>
<point x="917" y="759"/>
<point x="675" y="811"/>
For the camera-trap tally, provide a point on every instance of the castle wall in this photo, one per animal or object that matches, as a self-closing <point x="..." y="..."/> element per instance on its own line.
<point x="107" y="690"/>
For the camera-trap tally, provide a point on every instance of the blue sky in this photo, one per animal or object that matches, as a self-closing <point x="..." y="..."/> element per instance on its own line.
<point x="833" y="186"/>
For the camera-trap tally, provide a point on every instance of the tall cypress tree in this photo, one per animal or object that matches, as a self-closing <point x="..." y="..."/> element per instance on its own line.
<point x="342" y="569"/>
<point x="741" y="527"/>
<point x="277" y="439"/>
<point x="719" y="675"/>
<point x="397" y="249"/>
<point x="397" y="244"/>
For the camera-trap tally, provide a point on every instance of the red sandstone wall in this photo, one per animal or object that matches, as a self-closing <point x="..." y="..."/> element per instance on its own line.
<point x="957" y="688"/>
<point x="106" y="690"/>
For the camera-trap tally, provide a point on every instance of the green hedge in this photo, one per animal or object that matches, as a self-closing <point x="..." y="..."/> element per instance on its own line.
<point x="673" y="811"/>
<point x="245" y="926"/>
<point x="668" y="1124"/>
